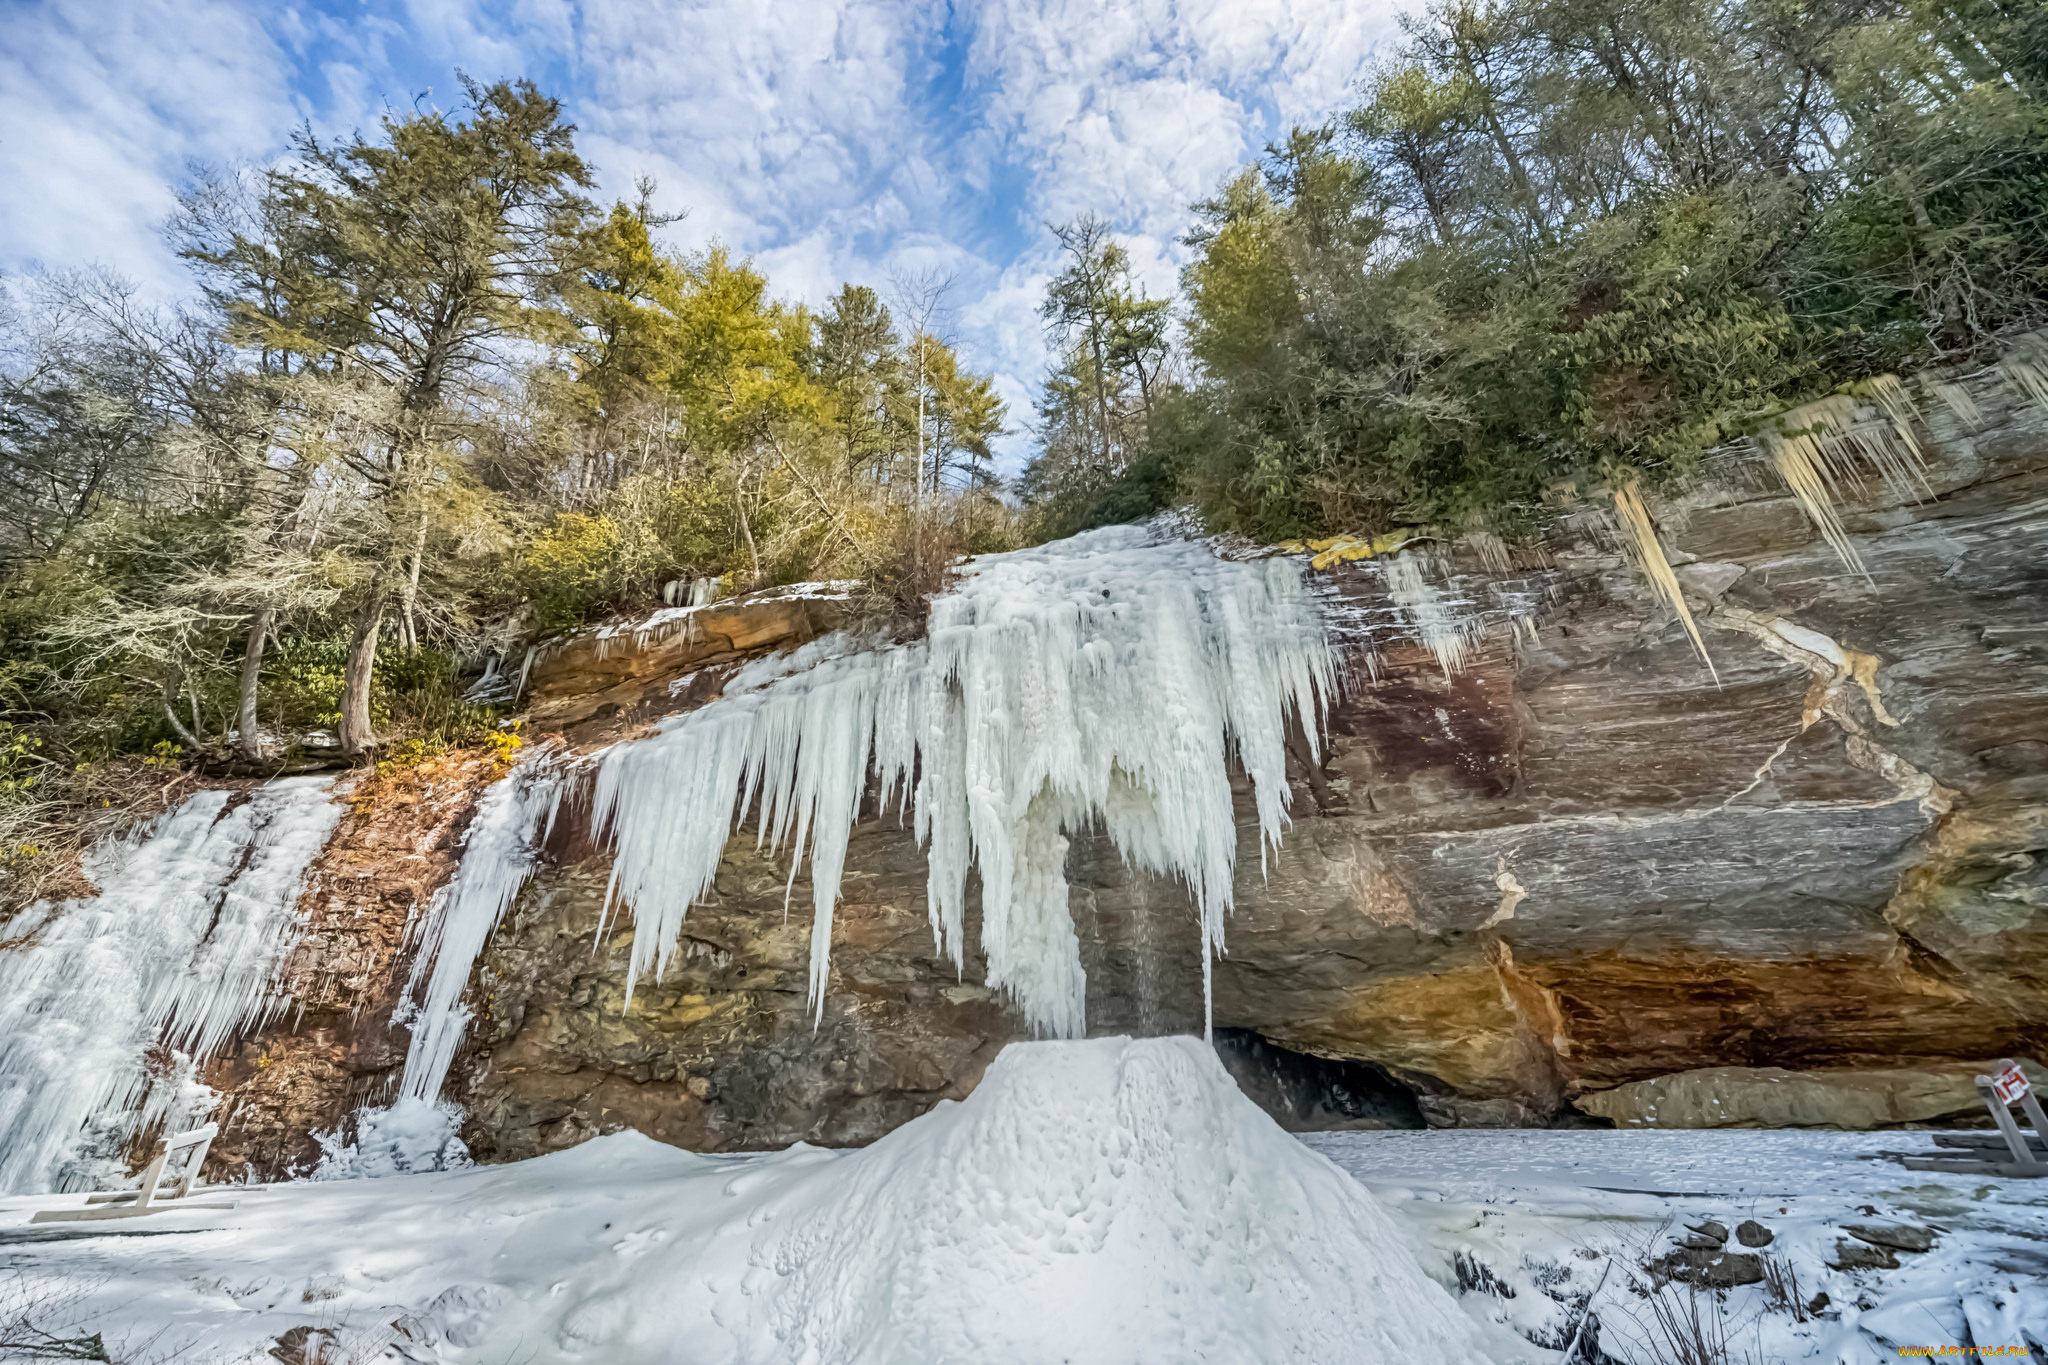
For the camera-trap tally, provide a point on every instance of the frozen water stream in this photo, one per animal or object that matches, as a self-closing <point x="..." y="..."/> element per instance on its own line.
<point x="178" y="949"/>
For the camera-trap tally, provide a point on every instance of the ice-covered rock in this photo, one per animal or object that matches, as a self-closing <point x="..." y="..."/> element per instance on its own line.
<point x="1104" y="680"/>
<point x="178" y="949"/>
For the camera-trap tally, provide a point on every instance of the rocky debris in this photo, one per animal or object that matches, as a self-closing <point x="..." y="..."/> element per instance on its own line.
<point x="1708" y="1268"/>
<point x="1715" y="1233"/>
<point x="1851" y="1255"/>
<point x="1773" y="1097"/>
<point x="1896" y="1236"/>
<point x="1753" y="1234"/>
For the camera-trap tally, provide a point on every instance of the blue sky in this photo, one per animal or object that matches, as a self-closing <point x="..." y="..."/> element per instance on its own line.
<point x="862" y="140"/>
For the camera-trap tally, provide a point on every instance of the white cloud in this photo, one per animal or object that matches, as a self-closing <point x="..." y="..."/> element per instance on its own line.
<point x="831" y="141"/>
<point x="102" y="106"/>
<point x="1136" y="109"/>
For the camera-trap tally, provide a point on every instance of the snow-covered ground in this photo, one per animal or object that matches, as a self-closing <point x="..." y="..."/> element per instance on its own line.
<point x="1102" y="1201"/>
<point x="1542" y="1218"/>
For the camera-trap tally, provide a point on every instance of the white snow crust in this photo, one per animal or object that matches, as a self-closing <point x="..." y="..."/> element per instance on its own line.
<point x="193" y="916"/>
<point x="1105" y="1201"/>
<point x="1096" y="1203"/>
<point x="1105" y="678"/>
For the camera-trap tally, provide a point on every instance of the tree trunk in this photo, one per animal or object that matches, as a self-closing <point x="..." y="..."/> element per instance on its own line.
<point x="739" y="503"/>
<point x="411" y="638"/>
<point x="356" y="734"/>
<point x="252" y="669"/>
<point x="193" y="744"/>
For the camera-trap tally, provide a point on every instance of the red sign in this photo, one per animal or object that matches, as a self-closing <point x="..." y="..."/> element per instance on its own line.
<point x="2009" y="1082"/>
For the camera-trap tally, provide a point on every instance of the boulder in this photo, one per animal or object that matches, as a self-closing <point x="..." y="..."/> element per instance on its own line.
<point x="1850" y="1255"/>
<point x="1896" y="1236"/>
<point x="1773" y="1097"/>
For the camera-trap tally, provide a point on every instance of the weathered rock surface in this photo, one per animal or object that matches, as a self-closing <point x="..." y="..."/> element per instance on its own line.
<point x="635" y="673"/>
<point x="335" y="1048"/>
<point x="1772" y="1097"/>
<point x="1581" y="863"/>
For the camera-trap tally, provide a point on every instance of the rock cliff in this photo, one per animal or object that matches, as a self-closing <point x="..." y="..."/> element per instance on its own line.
<point x="1578" y="862"/>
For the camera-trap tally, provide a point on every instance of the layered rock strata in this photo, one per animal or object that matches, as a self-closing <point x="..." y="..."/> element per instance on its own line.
<point x="1578" y="862"/>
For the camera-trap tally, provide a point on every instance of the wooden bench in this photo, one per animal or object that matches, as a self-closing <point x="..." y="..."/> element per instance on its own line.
<point x="153" y="1196"/>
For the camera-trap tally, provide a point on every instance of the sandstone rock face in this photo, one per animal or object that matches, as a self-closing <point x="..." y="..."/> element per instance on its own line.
<point x="1772" y="1097"/>
<point x="641" y="671"/>
<point x="334" y="1048"/>
<point x="1578" y="864"/>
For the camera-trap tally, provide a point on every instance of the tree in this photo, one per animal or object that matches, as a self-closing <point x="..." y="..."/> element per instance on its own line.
<point x="409" y="263"/>
<point x="859" y="363"/>
<point x="921" y="299"/>
<point x="1112" y="349"/>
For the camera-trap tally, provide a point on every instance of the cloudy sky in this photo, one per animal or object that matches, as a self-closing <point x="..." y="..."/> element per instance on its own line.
<point x="831" y="141"/>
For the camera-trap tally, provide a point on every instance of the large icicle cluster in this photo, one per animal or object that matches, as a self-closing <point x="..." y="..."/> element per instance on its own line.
<point x="496" y="861"/>
<point x="178" y="949"/>
<point x="1103" y="679"/>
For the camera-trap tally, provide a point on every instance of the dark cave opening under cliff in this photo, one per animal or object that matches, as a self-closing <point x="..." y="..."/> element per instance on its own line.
<point x="1309" y="1094"/>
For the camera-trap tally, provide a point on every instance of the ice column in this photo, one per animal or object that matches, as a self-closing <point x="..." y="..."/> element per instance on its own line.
<point x="1106" y="679"/>
<point x="497" y="858"/>
<point x="179" y="948"/>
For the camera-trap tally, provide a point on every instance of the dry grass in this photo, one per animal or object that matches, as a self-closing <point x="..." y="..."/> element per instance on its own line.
<point x="48" y="829"/>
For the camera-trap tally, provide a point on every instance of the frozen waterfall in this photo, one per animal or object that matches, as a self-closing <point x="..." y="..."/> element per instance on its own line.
<point x="497" y="858"/>
<point x="1107" y="678"/>
<point x="177" y="951"/>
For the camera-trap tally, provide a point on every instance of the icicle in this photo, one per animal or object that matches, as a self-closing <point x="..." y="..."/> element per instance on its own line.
<point x="1104" y="679"/>
<point x="1639" y="534"/>
<point x="497" y="858"/>
<point x="178" y="949"/>
<point x="1805" y="471"/>
<point x="2026" y="368"/>
<point x="1448" y="638"/>
<point x="1491" y="551"/>
<point x="1819" y="446"/>
<point x="1957" y="400"/>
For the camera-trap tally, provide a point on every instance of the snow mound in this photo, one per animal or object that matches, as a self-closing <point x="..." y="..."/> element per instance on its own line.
<point x="1108" y="1200"/>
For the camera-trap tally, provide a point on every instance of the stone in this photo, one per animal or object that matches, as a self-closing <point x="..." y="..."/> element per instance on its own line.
<point x="1773" y="1097"/>
<point x="1862" y="1256"/>
<point x="1751" y="1233"/>
<point x="1717" y="1233"/>
<point x="1897" y="1236"/>
<point x="1709" y="1268"/>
